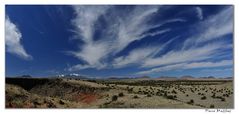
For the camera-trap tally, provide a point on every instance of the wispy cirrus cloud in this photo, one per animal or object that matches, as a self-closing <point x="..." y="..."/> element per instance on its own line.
<point x="182" y="58"/>
<point x="216" y="70"/>
<point x="199" y="13"/>
<point x="102" y="43"/>
<point x="189" y="55"/>
<point x="214" y="27"/>
<point x="117" y="33"/>
<point x="193" y="65"/>
<point x="13" y="40"/>
<point x="140" y="55"/>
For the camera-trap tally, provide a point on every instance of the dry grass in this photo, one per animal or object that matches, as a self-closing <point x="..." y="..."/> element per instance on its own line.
<point x="71" y="93"/>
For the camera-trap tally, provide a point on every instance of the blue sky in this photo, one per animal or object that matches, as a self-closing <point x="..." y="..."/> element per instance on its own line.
<point x="103" y="41"/>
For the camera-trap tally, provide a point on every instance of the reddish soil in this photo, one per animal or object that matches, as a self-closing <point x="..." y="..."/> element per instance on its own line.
<point x="86" y="97"/>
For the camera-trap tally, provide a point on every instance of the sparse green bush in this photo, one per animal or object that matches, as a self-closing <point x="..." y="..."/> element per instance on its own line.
<point x="214" y="95"/>
<point x="212" y="106"/>
<point x="135" y="97"/>
<point x="170" y="97"/>
<point x="61" y="102"/>
<point x="149" y="95"/>
<point x="121" y="94"/>
<point x="191" y="101"/>
<point x="174" y="92"/>
<point x="203" y="98"/>
<point x="114" y="98"/>
<point x="165" y="94"/>
<point x="225" y="95"/>
<point x="223" y="99"/>
<point x="130" y="90"/>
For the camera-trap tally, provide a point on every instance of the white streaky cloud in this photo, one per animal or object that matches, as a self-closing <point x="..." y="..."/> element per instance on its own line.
<point x="138" y="55"/>
<point x="77" y="67"/>
<point x="133" y="26"/>
<point x="92" y="53"/>
<point x="218" y="70"/>
<point x="209" y="64"/>
<point x="13" y="40"/>
<point x="194" y="65"/>
<point x="120" y="30"/>
<point x="86" y="17"/>
<point x="135" y="57"/>
<point x="155" y="33"/>
<point x="189" y="55"/>
<point x="218" y="25"/>
<point x="168" y="22"/>
<point x="165" y="68"/>
<point x="199" y="13"/>
<point x="212" y="28"/>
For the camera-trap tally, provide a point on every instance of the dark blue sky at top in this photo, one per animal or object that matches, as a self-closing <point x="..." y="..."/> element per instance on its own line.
<point x="49" y="34"/>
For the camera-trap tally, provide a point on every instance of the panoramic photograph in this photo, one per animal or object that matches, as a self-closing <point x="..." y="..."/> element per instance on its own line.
<point x="119" y="56"/>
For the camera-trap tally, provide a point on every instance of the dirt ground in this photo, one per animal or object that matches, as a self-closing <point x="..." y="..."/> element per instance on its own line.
<point x="76" y="93"/>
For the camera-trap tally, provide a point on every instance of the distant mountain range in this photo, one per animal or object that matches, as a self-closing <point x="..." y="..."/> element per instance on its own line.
<point x="79" y="76"/>
<point x="167" y="78"/>
<point x="187" y="77"/>
<point x="24" y="76"/>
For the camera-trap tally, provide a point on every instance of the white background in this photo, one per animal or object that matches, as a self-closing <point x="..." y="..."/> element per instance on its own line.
<point x="115" y="111"/>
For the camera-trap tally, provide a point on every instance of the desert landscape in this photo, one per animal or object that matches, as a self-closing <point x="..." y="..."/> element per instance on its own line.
<point x="61" y="92"/>
<point x="138" y="56"/>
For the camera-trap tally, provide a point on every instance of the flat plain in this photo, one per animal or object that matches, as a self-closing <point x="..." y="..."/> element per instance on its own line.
<point x="119" y="93"/>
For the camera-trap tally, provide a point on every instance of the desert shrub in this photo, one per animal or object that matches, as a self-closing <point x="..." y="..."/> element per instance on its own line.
<point x="212" y="106"/>
<point x="223" y="99"/>
<point x="130" y="90"/>
<point x="114" y="97"/>
<point x="220" y="97"/>
<point x="121" y="94"/>
<point x="149" y="95"/>
<point x="165" y="94"/>
<point x="203" y="98"/>
<point x="135" y="97"/>
<point x="150" y="87"/>
<point x="36" y="102"/>
<point x="61" y="102"/>
<point x="174" y="92"/>
<point x="225" y="95"/>
<point x="191" y="101"/>
<point x="214" y="95"/>
<point x="187" y="95"/>
<point x="170" y="97"/>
